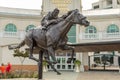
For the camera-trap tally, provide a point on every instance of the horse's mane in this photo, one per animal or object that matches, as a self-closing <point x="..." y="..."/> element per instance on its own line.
<point x="69" y="12"/>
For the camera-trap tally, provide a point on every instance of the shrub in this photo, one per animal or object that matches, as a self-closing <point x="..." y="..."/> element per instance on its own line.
<point x="77" y="62"/>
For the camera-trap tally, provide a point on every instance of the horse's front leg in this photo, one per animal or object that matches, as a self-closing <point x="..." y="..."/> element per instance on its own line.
<point x="51" y="51"/>
<point x="66" y="47"/>
<point x="50" y="63"/>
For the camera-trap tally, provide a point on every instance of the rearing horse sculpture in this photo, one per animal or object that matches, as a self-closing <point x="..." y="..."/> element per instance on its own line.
<point x="54" y="38"/>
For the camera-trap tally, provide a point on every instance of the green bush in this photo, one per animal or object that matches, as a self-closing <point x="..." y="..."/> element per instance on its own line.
<point x="77" y="62"/>
<point x="25" y="74"/>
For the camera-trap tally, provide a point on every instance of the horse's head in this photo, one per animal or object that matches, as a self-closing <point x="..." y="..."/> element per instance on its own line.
<point x="79" y="18"/>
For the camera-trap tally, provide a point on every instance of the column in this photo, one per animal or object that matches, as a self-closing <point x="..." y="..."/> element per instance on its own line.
<point x="78" y="56"/>
<point x="91" y="58"/>
<point x="82" y="64"/>
<point x="85" y="61"/>
<point x="114" y="3"/>
<point x="101" y="4"/>
<point x="115" y="59"/>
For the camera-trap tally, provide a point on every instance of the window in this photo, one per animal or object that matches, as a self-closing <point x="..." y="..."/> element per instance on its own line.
<point x="30" y="27"/>
<point x="91" y="32"/>
<point x="112" y="28"/>
<point x="90" y="29"/>
<point x="10" y="28"/>
<point x="72" y="34"/>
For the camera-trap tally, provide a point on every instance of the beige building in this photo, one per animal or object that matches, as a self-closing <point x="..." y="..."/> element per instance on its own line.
<point x="105" y="26"/>
<point x="13" y="25"/>
<point x="106" y="4"/>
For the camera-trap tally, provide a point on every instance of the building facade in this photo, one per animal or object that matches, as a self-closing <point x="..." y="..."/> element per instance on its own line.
<point x="106" y="4"/>
<point x="104" y="26"/>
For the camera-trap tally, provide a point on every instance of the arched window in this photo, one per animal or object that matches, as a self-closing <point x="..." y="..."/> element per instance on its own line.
<point x="30" y="27"/>
<point x="112" y="28"/>
<point x="91" y="29"/>
<point x="10" y="28"/>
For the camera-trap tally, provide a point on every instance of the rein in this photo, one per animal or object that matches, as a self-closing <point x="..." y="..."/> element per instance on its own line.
<point x="69" y="21"/>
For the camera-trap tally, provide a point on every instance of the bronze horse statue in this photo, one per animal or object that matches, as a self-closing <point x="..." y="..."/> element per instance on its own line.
<point x="52" y="39"/>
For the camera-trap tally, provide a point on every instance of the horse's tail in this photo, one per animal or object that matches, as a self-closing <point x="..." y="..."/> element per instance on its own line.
<point x="18" y="46"/>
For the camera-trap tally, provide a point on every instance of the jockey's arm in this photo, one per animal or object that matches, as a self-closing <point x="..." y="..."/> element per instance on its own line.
<point x="48" y="22"/>
<point x="52" y="21"/>
<point x="55" y="20"/>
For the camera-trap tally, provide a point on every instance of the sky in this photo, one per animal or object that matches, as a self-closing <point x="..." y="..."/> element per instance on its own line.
<point x="36" y="4"/>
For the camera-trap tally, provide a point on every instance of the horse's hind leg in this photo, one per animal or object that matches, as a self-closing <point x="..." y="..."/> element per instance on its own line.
<point x="51" y="51"/>
<point x="31" y="51"/>
<point x="48" y="61"/>
<point x="66" y="47"/>
<point x="54" y="68"/>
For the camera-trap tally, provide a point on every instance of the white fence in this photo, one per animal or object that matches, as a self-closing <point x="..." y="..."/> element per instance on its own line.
<point x="82" y="36"/>
<point x="18" y="34"/>
<point x="99" y="36"/>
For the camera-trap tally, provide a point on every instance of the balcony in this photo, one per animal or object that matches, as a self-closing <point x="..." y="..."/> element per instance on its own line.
<point x="18" y="34"/>
<point x="99" y="36"/>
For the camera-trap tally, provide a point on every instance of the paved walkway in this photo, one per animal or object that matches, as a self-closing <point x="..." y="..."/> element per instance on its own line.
<point x="90" y="75"/>
<point x="65" y="75"/>
<point x="97" y="75"/>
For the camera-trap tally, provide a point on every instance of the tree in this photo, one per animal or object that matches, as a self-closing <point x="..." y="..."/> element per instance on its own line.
<point x="22" y="56"/>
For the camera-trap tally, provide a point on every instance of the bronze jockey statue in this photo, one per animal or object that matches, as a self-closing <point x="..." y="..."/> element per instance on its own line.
<point x="50" y="18"/>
